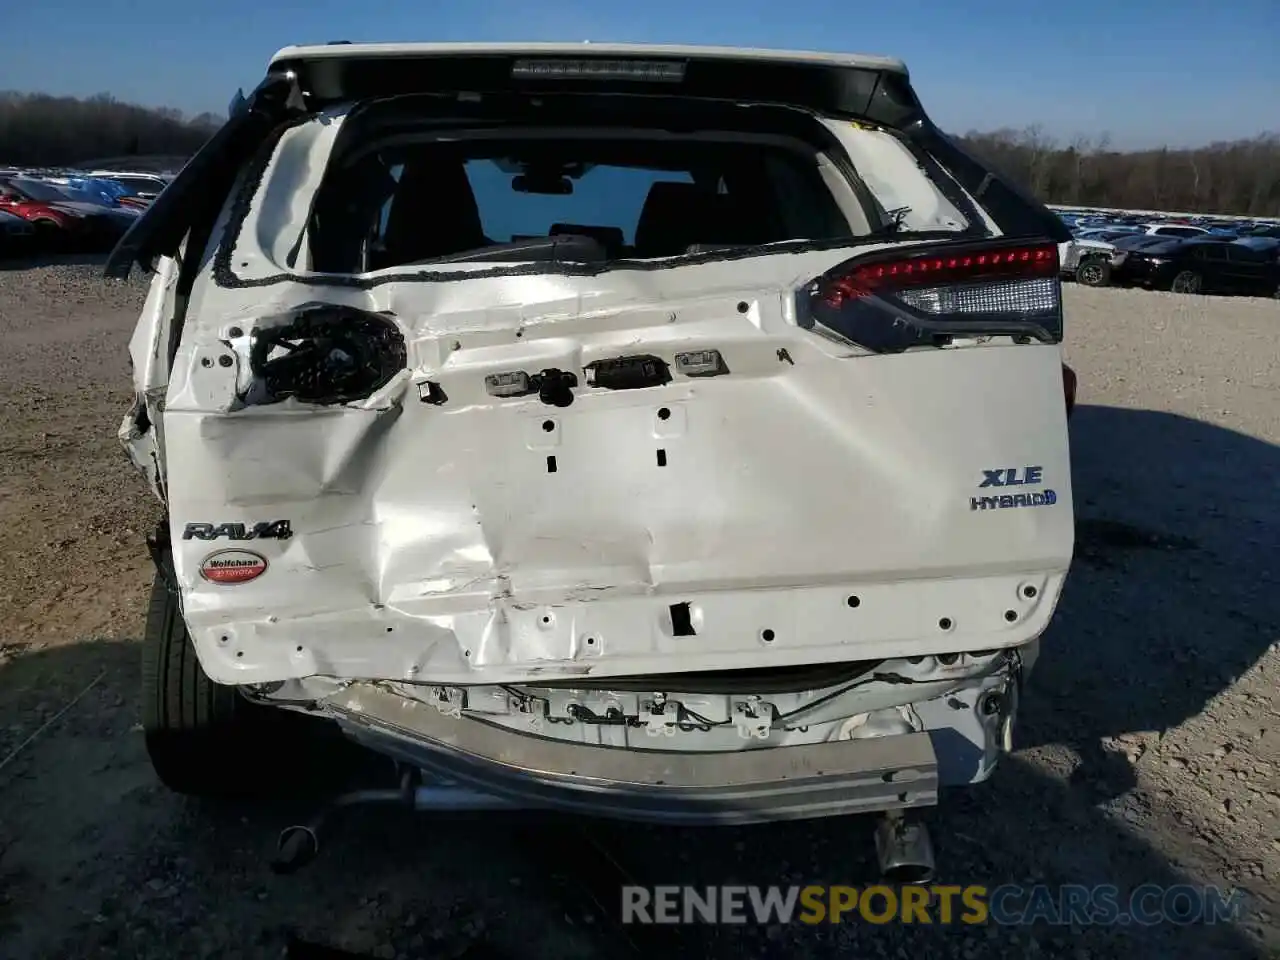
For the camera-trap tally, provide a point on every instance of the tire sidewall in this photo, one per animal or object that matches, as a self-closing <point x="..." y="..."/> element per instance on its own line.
<point x="1190" y="279"/>
<point x="1093" y="272"/>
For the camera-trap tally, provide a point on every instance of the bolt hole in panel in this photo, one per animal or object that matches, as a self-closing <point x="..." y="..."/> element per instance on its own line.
<point x="893" y="620"/>
<point x="669" y="422"/>
<point x="682" y="620"/>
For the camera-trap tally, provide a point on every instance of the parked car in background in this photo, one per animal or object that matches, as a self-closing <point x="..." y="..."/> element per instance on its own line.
<point x="1201" y="265"/>
<point x="1174" y="230"/>
<point x="1269" y="246"/>
<point x="142" y="185"/>
<point x="61" y="222"/>
<point x="110" y="192"/>
<point x="1086" y="261"/>
<point x="1108" y="234"/>
<point x="105" y="201"/>
<point x="53" y="222"/>
<point x="97" y="195"/>
<point x="1139" y="241"/>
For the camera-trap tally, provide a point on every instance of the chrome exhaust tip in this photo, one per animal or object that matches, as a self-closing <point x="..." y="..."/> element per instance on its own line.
<point x="904" y="851"/>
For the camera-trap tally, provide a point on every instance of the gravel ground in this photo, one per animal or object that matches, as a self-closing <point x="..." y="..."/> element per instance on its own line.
<point x="1148" y="749"/>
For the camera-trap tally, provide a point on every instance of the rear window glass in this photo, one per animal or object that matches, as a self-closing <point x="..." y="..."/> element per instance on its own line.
<point x="413" y="203"/>
<point x="608" y="197"/>
<point x="1209" y="251"/>
<point x="1243" y="254"/>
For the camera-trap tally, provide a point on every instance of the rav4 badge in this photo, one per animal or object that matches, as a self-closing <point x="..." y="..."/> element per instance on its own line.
<point x="233" y="566"/>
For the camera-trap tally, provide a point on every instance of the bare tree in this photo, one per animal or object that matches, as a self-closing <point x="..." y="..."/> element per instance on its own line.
<point x="1238" y="177"/>
<point x="39" y="130"/>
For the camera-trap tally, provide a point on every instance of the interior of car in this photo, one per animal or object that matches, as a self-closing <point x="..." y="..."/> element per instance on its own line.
<point x="617" y="198"/>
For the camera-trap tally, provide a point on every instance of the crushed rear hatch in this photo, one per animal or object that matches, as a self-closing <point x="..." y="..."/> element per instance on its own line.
<point x="542" y="459"/>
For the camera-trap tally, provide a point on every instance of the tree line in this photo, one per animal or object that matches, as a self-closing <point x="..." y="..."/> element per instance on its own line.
<point x="1236" y="177"/>
<point x="37" y="130"/>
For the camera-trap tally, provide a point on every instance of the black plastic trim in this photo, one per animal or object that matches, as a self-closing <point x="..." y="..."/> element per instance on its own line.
<point x="1016" y="212"/>
<point x="202" y="186"/>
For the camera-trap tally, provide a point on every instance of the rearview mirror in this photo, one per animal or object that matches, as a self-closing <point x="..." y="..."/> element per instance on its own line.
<point x="532" y="183"/>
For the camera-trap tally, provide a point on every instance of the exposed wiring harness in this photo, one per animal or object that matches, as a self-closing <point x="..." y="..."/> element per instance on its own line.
<point x="688" y="720"/>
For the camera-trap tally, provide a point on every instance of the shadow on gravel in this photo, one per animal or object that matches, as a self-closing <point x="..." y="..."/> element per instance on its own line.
<point x="1173" y="592"/>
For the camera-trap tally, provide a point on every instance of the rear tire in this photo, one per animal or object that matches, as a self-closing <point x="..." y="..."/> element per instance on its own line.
<point x="50" y="237"/>
<point x="204" y="739"/>
<point x="1094" y="272"/>
<point x="1188" y="281"/>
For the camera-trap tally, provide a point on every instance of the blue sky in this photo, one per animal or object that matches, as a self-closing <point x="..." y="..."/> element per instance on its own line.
<point x="1147" y="72"/>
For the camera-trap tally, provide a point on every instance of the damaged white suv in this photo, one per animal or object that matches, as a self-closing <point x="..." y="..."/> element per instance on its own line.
<point x="672" y="433"/>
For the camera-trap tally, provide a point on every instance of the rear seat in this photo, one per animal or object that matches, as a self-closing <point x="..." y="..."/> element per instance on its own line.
<point x="677" y="216"/>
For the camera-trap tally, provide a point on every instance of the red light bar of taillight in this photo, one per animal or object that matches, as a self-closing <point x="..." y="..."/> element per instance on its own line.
<point x="930" y="269"/>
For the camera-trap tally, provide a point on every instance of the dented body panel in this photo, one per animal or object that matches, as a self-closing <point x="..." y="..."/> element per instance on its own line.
<point x="434" y="540"/>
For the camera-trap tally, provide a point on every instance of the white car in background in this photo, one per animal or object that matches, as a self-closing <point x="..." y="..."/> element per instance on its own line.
<point x="1088" y="262"/>
<point x="662" y="432"/>
<point x="1174" y="230"/>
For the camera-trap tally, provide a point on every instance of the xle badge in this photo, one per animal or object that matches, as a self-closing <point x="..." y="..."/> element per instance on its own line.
<point x="233" y="566"/>
<point x="1013" y="477"/>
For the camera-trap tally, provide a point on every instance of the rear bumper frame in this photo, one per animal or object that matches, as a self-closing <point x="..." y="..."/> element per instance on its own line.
<point x="893" y="772"/>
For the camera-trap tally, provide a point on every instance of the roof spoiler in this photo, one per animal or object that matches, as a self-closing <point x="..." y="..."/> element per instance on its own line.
<point x="874" y="89"/>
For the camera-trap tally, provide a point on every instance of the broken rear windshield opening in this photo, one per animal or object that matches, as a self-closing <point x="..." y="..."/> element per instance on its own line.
<point x="631" y="197"/>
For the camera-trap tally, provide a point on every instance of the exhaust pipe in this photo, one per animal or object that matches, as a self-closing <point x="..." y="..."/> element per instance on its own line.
<point x="904" y="850"/>
<point x="299" y="844"/>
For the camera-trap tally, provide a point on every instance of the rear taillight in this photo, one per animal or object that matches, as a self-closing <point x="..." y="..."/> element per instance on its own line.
<point x="889" y="302"/>
<point x="324" y="355"/>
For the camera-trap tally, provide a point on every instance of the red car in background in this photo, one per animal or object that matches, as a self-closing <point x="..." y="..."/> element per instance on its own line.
<point x="62" y="223"/>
